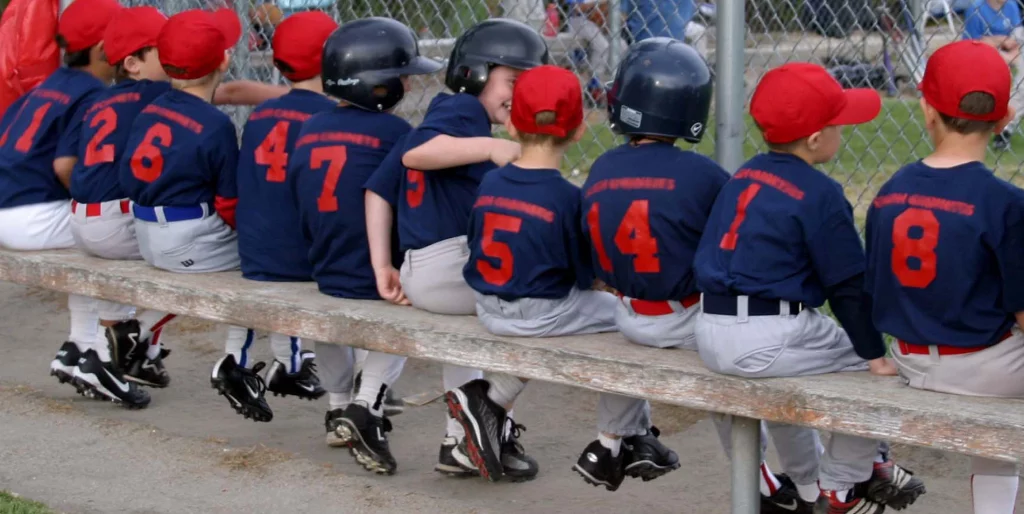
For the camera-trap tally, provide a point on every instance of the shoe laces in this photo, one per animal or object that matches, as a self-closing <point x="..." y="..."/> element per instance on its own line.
<point x="252" y="377"/>
<point x="515" y="430"/>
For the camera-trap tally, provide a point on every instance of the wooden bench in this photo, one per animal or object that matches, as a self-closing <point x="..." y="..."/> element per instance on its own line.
<point x="852" y="403"/>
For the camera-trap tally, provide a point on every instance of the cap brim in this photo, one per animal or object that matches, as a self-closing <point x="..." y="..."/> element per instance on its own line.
<point x="862" y="106"/>
<point x="420" y="66"/>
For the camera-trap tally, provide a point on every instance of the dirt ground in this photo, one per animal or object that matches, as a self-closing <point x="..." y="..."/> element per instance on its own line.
<point x="189" y="452"/>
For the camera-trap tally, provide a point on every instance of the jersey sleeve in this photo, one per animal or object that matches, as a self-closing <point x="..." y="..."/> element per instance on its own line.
<point x="458" y="116"/>
<point x="224" y="160"/>
<point x="70" y="127"/>
<point x="386" y="181"/>
<point x="835" y="248"/>
<point x="1010" y="255"/>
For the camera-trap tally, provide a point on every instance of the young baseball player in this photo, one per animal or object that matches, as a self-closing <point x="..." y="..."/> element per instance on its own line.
<point x="366" y="65"/>
<point x="179" y="171"/>
<point x="528" y="263"/>
<point x="944" y="252"/>
<point x="37" y="153"/>
<point x="644" y="207"/>
<point x="270" y="241"/>
<point x="780" y="240"/>
<point x="446" y="157"/>
<point x="998" y="23"/>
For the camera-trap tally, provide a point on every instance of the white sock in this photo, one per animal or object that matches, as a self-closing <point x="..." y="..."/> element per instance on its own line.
<point x="612" y="444"/>
<point x="808" y="492"/>
<point x="454" y="429"/>
<point x="286" y="351"/>
<point x="85" y="322"/>
<point x="371" y="392"/>
<point x="508" y="423"/>
<point x="155" y="345"/>
<point x="151" y="325"/>
<point x="504" y="388"/>
<point x="769" y="484"/>
<point x="239" y="343"/>
<point x="339" y="400"/>
<point x="454" y="376"/>
<point x="880" y="458"/>
<point x="994" y="494"/>
<point x="99" y="344"/>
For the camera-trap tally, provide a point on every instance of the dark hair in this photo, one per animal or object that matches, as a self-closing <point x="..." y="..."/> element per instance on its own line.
<point x="977" y="103"/>
<point x="283" y="67"/>
<point x="544" y="118"/>
<point x="120" y="73"/>
<point x="79" y="59"/>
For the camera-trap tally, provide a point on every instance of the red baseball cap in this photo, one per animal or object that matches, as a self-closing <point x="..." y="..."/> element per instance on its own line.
<point x="299" y="43"/>
<point x="192" y="43"/>
<point x="132" y="30"/>
<point x="83" y="22"/>
<point x="547" y="88"/>
<point x="965" y="67"/>
<point x="796" y="100"/>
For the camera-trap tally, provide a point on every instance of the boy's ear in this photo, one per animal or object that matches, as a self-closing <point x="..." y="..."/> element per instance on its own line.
<point x="814" y="140"/>
<point x="511" y="129"/>
<point x="98" y="52"/>
<point x="930" y="114"/>
<point x="577" y="134"/>
<point x="226" y="63"/>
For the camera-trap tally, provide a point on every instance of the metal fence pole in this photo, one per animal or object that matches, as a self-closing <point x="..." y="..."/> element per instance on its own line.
<point x="730" y="99"/>
<point x="746" y="463"/>
<point x="615" y="27"/>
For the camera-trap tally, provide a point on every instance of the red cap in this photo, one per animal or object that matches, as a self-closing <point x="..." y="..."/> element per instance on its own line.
<point x="796" y="100"/>
<point x="547" y="88"/>
<point x="965" y="67"/>
<point x="132" y="30"/>
<point x="192" y="43"/>
<point x="83" y="22"/>
<point x="299" y="43"/>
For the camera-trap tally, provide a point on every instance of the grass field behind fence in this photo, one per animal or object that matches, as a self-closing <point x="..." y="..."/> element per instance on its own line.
<point x="10" y="504"/>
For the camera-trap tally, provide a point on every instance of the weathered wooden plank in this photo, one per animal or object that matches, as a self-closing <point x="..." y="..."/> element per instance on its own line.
<point x="854" y="403"/>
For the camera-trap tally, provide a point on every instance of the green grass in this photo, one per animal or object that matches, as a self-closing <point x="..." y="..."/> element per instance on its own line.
<point x="10" y="504"/>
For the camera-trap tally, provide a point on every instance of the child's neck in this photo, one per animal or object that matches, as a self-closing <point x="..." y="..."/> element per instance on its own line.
<point x="96" y="70"/>
<point x="205" y="91"/>
<point x="314" y="84"/>
<point x="953" y="149"/>
<point x="540" y="157"/>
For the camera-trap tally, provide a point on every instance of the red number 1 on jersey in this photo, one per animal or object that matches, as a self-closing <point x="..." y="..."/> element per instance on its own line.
<point x="923" y="248"/>
<point x="335" y="156"/>
<point x="24" y="143"/>
<point x="633" y="237"/>
<point x="495" y="249"/>
<point x="730" y="238"/>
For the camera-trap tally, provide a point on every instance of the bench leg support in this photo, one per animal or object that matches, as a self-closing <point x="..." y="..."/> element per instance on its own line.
<point x="746" y="465"/>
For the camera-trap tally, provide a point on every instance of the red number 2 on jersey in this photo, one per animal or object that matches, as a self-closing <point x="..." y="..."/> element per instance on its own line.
<point x="94" y="153"/>
<point x="495" y="249"/>
<point x="923" y="248"/>
<point x="271" y="152"/>
<point x="149" y="151"/>
<point x="633" y="237"/>
<point x="335" y="156"/>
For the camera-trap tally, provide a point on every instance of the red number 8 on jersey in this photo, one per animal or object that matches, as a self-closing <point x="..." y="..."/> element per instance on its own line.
<point x="923" y="248"/>
<point x="150" y="152"/>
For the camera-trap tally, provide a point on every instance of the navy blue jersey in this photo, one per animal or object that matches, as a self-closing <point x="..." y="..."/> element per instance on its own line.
<point x="386" y="182"/>
<point x="270" y="240"/>
<point x="42" y="127"/>
<point x="106" y="126"/>
<point x="182" y="152"/>
<point x="946" y="255"/>
<point x="779" y="230"/>
<point x="437" y="203"/>
<point x="644" y="210"/>
<point x="525" y="239"/>
<point x="336" y="153"/>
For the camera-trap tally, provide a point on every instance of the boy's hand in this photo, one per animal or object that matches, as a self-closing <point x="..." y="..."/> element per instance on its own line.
<point x="504" y="151"/>
<point x="389" y="286"/>
<point x="882" y="366"/>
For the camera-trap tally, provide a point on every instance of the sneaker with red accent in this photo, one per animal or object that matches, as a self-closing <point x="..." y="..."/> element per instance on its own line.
<point x="894" y="486"/>
<point x="855" y="503"/>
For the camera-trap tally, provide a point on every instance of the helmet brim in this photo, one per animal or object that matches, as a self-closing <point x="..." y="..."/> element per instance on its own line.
<point x="420" y="66"/>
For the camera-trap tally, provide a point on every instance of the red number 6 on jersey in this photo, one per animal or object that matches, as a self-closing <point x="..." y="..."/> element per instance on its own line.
<point x="496" y="249"/>
<point x="923" y="248"/>
<point x="149" y="151"/>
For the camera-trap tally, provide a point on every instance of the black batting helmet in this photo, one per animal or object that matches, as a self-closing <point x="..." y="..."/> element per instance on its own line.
<point x="495" y="42"/>
<point x="363" y="62"/>
<point x="662" y="88"/>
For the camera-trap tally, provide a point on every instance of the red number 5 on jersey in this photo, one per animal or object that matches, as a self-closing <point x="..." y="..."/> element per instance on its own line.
<point x="148" y="151"/>
<point x="497" y="250"/>
<point x="923" y="248"/>
<point x="633" y="237"/>
<point x="417" y="183"/>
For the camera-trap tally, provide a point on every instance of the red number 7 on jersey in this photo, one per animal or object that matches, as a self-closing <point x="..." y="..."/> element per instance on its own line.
<point x="335" y="156"/>
<point x="496" y="249"/>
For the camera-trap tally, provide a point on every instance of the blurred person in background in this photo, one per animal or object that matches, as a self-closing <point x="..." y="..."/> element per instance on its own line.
<point x="998" y="23"/>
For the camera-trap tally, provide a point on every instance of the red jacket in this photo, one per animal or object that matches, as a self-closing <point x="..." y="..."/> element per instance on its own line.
<point x="28" y="47"/>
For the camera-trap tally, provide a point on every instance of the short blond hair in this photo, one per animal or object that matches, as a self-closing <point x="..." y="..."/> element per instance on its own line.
<point x="540" y="119"/>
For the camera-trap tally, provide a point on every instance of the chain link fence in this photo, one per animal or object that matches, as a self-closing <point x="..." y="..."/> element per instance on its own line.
<point x="865" y="43"/>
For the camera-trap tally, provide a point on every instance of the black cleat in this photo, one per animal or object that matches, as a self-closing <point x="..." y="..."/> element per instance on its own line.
<point x="786" y="499"/>
<point x="483" y="421"/>
<point x="304" y="383"/>
<point x="893" y="486"/>
<point x="149" y="372"/>
<point x="454" y="464"/>
<point x="392" y="406"/>
<point x="332" y="420"/>
<point x="63" y="364"/>
<point x="104" y="381"/>
<point x="243" y="388"/>
<point x="856" y="503"/>
<point x="597" y="466"/>
<point x="646" y="457"/>
<point x="516" y="465"/>
<point x="364" y="434"/>
<point x="126" y="345"/>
